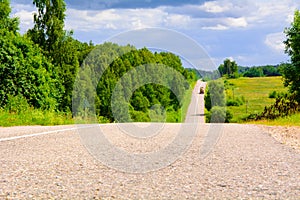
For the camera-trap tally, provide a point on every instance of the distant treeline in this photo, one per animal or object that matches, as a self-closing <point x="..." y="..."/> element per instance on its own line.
<point x="260" y="71"/>
<point x="241" y="71"/>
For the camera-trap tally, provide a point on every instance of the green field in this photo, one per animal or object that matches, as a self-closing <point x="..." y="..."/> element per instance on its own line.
<point x="255" y="91"/>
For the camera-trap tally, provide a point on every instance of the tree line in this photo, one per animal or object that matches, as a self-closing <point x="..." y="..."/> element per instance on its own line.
<point x="230" y="69"/>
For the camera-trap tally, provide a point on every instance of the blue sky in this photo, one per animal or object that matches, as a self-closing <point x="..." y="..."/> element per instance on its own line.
<point x="249" y="32"/>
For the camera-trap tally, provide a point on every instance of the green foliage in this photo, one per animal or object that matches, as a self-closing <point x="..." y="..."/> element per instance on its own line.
<point x="25" y="71"/>
<point x="238" y="101"/>
<point x="261" y="71"/>
<point x="218" y="115"/>
<point x="229" y="69"/>
<point x="215" y="95"/>
<point x="33" y="116"/>
<point x="48" y="29"/>
<point x="254" y="72"/>
<point x="134" y="80"/>
<point x="215" y="103"/>
<point x="291" y="73"/>
<point x="16" y="104"/>
<point x="275" y="94"/>
<point x="7" y="23"/>
<point x="58" y="45"/>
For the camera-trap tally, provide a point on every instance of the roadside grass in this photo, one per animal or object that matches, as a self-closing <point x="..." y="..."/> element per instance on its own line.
<point x="256" y="92"/>
<point x="293" y="120"/>
<point x="187" y="100"/>
<point x="34" y="117"/>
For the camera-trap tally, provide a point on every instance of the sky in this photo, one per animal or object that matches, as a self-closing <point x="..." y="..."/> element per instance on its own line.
<point x="247" y="31"/>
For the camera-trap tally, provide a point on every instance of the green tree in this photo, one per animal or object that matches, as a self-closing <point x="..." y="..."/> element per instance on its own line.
<point x="254" y="72"/>
<point x="25" y="71"/>
<point x="10" y="24"/>
<point x="291" y="73"/>
<point x="62" y="50"/>
<point x="48" y="30"/>
<point x="228" y="68"/>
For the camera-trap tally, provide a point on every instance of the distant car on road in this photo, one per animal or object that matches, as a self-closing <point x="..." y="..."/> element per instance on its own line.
<point x="201" y="90"/>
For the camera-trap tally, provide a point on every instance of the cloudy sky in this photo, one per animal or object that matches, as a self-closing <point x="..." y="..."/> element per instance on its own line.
<point x="248" y="31"/>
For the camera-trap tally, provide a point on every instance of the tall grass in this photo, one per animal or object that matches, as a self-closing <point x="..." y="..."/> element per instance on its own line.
<point x="34" y="117"/>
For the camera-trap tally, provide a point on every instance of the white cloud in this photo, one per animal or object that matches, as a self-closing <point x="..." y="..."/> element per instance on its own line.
<point x="215" y="7"/>
<point x="275" y="41"/>
<point x="175" y="20"/>
<point x="272" y="12"/>
<point x="236" y="22"/>
<point x="218" y="27"/>
<point x="114" y="19"/>
<point x="227" y="23"/>
<point x="25" y="13"/>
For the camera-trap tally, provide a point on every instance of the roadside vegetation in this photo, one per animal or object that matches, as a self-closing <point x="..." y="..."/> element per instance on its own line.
<point x="38" y="73"/>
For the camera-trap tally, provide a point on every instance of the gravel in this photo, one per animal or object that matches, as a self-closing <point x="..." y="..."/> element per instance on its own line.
<point x="246" y="163"/>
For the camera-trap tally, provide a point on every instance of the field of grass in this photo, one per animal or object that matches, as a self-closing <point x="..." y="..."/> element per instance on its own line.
<point x="255" y="91"/>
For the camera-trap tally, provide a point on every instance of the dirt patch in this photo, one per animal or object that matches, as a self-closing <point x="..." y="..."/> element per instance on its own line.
<point x="288" y="135"/>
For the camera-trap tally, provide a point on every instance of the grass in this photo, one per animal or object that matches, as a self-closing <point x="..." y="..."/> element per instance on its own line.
<point x="293" y="120"/>
<point x="187" y="100"/>
<point x="34" y="117"/>
<point x="256" y="92"/>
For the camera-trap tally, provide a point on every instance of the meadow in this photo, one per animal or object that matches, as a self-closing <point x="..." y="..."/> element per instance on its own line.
<point x="255" y="94"/>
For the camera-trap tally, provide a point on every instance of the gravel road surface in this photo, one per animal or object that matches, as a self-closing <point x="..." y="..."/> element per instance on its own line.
<point x="246" y="163"/>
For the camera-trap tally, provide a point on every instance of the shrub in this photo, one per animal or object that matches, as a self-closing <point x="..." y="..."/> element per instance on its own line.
<point x="276" y="94"/>
<point x="218" y="115"/>
<point x="285" y="105"/>
<point x="273" y="95"/>
<point x="16" y="104"/>
<point x="215" y="95"/>
<point x="235" y="102"/>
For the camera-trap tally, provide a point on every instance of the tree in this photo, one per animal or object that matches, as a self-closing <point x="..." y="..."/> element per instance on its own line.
<point x="48" y="30"/>
<point x="59" y="46"/>
<point x="254" y="72"/>
<point x="291" y="73"/>
<point x="215" y="95"/>
<point x="10" y="24"/>
<point x="228" y="68"/>
<point x="25" y="72"/>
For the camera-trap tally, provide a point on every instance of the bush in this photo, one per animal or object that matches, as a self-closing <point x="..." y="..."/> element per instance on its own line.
<point x="284" y="105"/>
<point x="275" y="94"/>
<point x="215" y="95"/>
<point x="218" y="115"/>
<point x="235" y="102"/>
<point x="16" y="104"/>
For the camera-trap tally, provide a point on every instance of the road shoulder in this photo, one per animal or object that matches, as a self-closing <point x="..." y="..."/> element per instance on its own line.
<point x="287" y="135"/>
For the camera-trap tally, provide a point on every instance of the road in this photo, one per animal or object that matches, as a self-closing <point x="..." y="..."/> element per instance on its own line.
<point x="195" y="113"/>
<point x="246" y="163"/>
